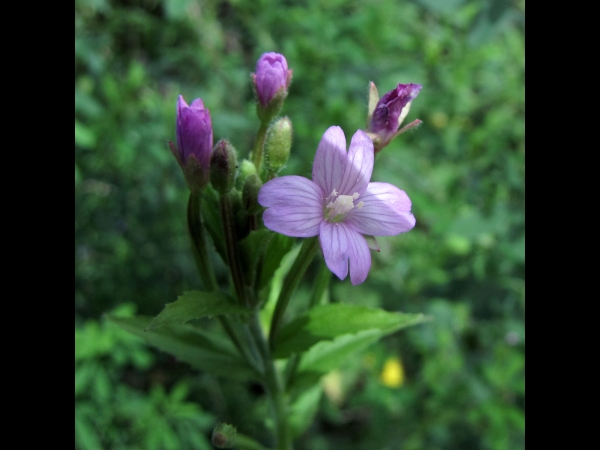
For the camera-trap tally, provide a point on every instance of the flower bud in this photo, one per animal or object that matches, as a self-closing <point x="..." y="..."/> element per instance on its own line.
<point x="194" y="142"/>
<point x="271" y="81"/>
<point x="389" y="113"/>
<point x="223" y="167"/>
<point x="247" y="169"/>
<point x="250" y="194"/>
<point x="278" y="143"/>
<point x="224" y="435"/>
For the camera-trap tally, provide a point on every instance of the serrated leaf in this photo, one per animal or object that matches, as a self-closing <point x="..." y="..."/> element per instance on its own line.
<point x="326" y="322"/>
<point x="194" y="305"/>
<point x="328" y="355"/>
<point x="201" y="349"/>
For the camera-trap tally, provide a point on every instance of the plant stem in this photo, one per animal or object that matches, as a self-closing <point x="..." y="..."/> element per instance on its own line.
<point x="197" y="234"/>
<point x="307" y="252"/>
<point x="273" y="386"/>
<point x="321" y="285"/>
<point x="232" y="250"/>
<point x="207" y="275"/>
<point x="257" y="152"/>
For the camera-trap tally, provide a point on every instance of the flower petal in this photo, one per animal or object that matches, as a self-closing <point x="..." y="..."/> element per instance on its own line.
<point x="385" y="212"/>
<point x="290" y="190"/>
<point x="340" y="244"/>
<point x="359" y="165"/>
<point x="330" y="160"/>
<point x="293" y="221"/>
<point x="295" y="206"/>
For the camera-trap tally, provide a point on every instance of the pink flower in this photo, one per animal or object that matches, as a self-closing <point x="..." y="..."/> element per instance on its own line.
<point x="339" y="205"/>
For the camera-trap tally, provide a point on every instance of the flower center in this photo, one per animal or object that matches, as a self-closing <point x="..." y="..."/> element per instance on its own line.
<point x="339" y="206"/>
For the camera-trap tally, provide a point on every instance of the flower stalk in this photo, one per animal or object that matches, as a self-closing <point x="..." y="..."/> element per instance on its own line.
<point x="290" y="283"/>
<point x="273" y="386"/>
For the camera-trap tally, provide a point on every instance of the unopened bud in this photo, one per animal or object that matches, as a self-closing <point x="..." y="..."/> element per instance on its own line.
<point x="278" y="143"/>
<point x="247" y="169"/>
<point x="271" y="81"/>
<point x="224" y="435"/>
<point x="250" y="194"/>
<point x="223" y="166"/>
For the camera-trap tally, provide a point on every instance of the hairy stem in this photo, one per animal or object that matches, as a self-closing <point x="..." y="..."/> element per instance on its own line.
<point x="273" y="386"/>
<point x="232" y="250"/>
<point x="257" y="152"/>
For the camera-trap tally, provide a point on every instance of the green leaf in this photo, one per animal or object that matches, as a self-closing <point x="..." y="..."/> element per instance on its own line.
<point x="326" y="322"/>
<point x="303" y="410"/>
<point x="201" y="349"/>
<point x="194" y="305"/>
<point x="279" y="246"/>
<point x="253" y="247"/>
<point x="328" y="355"/>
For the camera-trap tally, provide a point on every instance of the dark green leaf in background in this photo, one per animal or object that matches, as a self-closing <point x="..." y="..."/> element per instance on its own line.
<point x="201" y="349"/>
<point x="326" y="322"/>
<point x="195" y="305"/>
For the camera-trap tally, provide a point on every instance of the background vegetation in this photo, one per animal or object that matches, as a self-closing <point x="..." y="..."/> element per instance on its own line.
<point x="454" y="383"/>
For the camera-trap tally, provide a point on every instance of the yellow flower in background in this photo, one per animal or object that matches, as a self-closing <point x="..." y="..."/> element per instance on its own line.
<point x="392" y="374"/>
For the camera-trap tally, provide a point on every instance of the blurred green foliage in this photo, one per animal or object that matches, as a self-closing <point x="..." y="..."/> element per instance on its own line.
<point x="463" y="264"/>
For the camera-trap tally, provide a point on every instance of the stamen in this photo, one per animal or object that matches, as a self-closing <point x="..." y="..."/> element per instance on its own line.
<point x="359" y="205"/>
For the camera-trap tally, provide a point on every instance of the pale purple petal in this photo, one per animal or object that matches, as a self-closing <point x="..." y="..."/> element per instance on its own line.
<point x="289" y="191"/>
<point x="359" y="165"/>
<point x="360" y="257"/>
<point x="294" y="221"/>
<point x="331" y="160"/>
<point x="295" y="206"/>
<point x="385" y="212"/>
<point x="341" y="244"/>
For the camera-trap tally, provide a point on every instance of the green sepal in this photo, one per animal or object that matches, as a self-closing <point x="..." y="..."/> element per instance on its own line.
<point x="327" y="322"/>
<point x="201" y="349"/>
<point x="373" y="99"/>
<point x="224" y="435"/>
<point x="195" y="305"/>
<point x="269" y="112"/>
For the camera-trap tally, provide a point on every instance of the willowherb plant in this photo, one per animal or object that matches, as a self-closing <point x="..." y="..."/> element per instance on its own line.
<point x="251" y="216"/>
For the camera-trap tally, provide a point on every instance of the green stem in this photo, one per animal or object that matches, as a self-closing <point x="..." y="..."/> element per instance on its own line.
<point x="197" y="234"/>
<point x="232" y="250"/>
<point x="307" y="252"/>
<point x="207" y="275"/>
<point x="321" y="285"/>
<point x="273" y="386"/>
<point x="257" y="152"/>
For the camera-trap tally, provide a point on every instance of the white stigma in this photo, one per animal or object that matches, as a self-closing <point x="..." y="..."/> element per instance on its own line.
<point x="341" y="206"/>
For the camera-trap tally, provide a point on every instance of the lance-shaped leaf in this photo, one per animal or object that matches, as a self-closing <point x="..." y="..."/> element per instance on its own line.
<point x="195" y="305"/>
<point x="201" y="349"/>
<point x="326" y="322"/>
